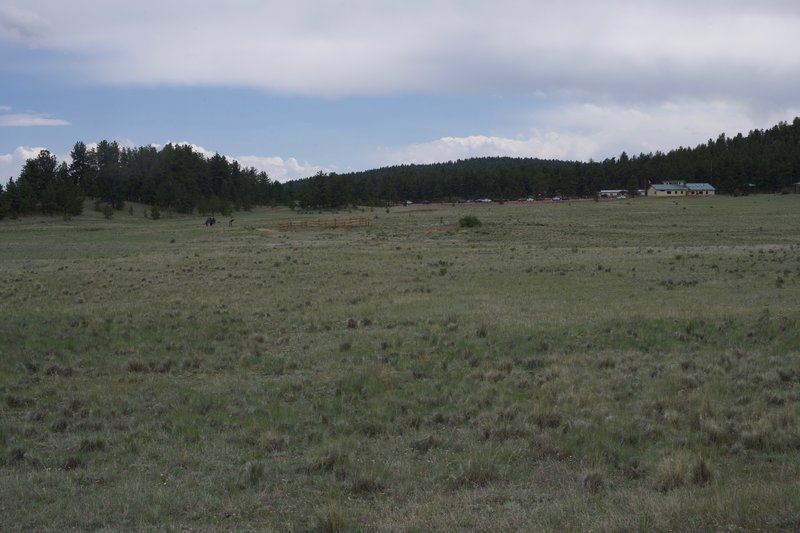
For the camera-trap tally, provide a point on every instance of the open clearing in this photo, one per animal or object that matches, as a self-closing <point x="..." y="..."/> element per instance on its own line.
<point x="590" y="365"/>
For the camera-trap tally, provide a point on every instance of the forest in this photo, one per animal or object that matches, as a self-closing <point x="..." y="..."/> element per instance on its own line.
<point x="175" y="178"/>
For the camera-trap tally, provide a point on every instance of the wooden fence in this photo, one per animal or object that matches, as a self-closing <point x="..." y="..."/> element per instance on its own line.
<point x="324" y="223"/>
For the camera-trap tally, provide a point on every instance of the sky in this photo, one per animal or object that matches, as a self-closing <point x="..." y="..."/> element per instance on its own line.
<point x="294" y="88"/>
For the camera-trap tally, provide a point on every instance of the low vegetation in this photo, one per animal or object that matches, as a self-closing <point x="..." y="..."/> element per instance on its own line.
<point x="629" y="365"/>
<point x="469" y="221"/>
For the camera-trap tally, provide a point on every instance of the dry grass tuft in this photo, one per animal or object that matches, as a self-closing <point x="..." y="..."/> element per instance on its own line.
<point x="670" y="474"/>
<point x="701" y="472"/>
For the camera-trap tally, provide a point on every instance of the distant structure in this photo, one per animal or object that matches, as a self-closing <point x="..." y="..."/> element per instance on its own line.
<point x="680" y="188"/>
<point x="620" y="194"/>
<point x="613" y="193"/>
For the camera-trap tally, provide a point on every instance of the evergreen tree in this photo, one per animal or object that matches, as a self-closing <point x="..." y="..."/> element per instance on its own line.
<point x="5" y="207"/>
<point x="80" y="169"/>
<point x="63" y="195"/>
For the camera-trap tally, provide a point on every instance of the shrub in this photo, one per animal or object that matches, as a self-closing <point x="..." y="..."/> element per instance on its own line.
<point x="469" y="221"/>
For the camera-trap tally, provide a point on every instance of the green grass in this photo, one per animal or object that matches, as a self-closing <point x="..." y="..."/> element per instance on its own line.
<point x="576" y="365"/>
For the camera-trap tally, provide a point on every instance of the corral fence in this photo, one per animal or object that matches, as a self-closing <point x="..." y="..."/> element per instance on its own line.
<point x="324" y="223"/>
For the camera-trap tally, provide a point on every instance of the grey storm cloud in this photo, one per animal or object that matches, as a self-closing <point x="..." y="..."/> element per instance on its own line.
<point x="635" y="49"/>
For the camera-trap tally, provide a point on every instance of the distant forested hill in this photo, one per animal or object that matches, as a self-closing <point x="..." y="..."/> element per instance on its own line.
<point x="177" y="178"/>
<point x="762" y="161"/>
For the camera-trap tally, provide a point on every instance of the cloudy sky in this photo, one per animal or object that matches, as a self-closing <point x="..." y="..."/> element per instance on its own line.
<point x="297" y="87"/>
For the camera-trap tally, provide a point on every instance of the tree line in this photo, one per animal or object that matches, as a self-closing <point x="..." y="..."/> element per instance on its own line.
<point x="176" y="178"/>
<point x="762" y="161"/>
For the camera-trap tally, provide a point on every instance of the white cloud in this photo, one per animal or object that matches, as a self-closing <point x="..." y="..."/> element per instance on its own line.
<point x="591" y="131"/>
<point x="11" y="164"/>
<point x="21" y="23"/>
<point x="279" y="168"/>
<point x="29" y="119"/>
<point x="8" y="119"/>
<point x="23" y="153"/>
<point x="544" y="145"/>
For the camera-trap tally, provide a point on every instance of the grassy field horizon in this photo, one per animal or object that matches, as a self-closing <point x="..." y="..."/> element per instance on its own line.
<point x="614" y="365"/>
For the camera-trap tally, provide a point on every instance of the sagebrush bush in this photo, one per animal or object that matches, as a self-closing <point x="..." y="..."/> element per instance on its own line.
<point x="469" y="221"/>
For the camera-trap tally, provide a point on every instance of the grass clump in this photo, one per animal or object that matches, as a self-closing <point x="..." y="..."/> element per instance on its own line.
<point x="594" y="481"/>
<point x="330" y="518"/>
<point x="701" y="472"/>
<point x="253" y="474"/>
<point x="676" y="472"/>
<point x="469" y="221"/>
<point x="475" y="472"/>
<point x="671" y="474"/>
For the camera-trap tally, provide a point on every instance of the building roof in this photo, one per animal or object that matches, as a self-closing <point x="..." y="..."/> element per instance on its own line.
<point x="662" y="187"/>
<point x="699" y="186"/>
<point x="684" y="187"/>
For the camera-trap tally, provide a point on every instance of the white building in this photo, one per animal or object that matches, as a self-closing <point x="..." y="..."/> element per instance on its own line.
<point x="681" y="188"/>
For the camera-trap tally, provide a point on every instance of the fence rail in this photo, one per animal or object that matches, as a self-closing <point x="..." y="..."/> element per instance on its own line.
<point x="324" y="223"/>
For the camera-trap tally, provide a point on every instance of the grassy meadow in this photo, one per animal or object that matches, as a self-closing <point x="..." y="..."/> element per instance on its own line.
<point x="619" y="365"/>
